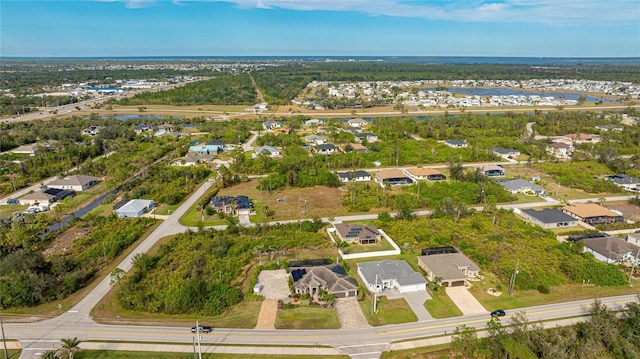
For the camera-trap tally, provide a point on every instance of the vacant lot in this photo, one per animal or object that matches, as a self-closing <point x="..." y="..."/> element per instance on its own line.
<point x="307" y="318"/>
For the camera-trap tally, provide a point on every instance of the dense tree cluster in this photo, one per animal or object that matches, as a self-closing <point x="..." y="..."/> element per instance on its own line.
<point x="203" y="272"/>
<point x="607" y="334"/>
<point x="28" y="278"/>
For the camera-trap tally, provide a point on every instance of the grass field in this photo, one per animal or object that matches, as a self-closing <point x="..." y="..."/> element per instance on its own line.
<point x="394" y="311"/>
<point x="307" y="318"/>
<point x="113" y="354"/>
<point x="440" y="305"/>
<point x="434" y="352"/>
<point x="382" y="245"/>
<point x="13" y="353"/>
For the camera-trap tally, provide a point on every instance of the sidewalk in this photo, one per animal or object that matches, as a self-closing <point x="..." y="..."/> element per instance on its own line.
<point x="219" y="349"/>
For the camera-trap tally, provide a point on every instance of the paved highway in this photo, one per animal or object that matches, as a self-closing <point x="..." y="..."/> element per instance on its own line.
<point x="352" y="341"/>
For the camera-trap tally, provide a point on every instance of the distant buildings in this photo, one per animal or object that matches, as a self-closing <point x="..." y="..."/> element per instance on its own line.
<point x="456" y="143"/>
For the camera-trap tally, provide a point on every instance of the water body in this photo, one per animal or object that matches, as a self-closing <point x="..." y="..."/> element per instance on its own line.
<point x="77" y="214"/>
<point x="534" y="61"/>
<point x="486" y="91"/>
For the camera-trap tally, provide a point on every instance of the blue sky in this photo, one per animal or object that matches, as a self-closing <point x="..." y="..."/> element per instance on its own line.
<point x="563" y="28"/>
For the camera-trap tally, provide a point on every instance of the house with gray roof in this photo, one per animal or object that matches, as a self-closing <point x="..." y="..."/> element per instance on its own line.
<point x="519" y="185"/>
<point x="456" y="143"/>
<point x="271" y="151"/>
<point x="549" y="218"/>
<point x="354" y="176"/>
<point x="315" y="139"/>
<point x="633" y="238"/>
<point x="506" y="152"/>
<point x="331" y="278"/>
<point x="135" y="208"/>
<point x="326" y="149"/>
<point x="612" y="250"/>
<point x="381" y="275"/>
<point x="625" y="181"/>
<point x="450" y="269"/>
<point x="76" y="183"/>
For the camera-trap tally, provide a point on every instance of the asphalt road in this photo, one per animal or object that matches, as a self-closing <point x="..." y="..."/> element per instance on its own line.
<point x="36" y="336"/>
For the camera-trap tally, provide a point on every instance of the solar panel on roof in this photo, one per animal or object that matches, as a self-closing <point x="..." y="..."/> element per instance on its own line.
<point x="297" y="274"/>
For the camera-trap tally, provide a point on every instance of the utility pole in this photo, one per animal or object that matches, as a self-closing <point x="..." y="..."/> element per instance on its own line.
<point x="512" y="282"/>
<point x="635" y="262"/>
<point x="198" y="337"/>
<point x="4" y="339"/>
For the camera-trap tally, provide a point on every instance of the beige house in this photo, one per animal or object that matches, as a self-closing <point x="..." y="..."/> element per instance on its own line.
<point x="451" y="269"/>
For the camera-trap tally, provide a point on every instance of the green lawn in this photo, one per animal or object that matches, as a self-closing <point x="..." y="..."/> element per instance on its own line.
<point x="307" y="318"/>
<point x="13" y="353"/>
<point x="395" y="311"/>
<point x="382" y="245"/>
<point x="436" y="351"/>
<point x="116" y="354"/>
<point x="6" y="211"/>
<point x="441" y="306"/>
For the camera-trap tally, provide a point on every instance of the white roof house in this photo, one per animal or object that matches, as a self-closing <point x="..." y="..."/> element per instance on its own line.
<point x="135" y="208"/>
<point x="76" y="183"/>
<point x="272" y="151"/>
<point x="382" y="275"/>
<point x="357" y="122"/>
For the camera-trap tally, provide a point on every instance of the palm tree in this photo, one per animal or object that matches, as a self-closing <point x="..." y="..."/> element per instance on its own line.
<point x="49" y="354"/>
<point x="69" y="346"/>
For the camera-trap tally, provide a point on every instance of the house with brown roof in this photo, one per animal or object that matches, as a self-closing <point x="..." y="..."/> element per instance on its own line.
<point x="560" y="150"/>
<point x="491" y="170"/>
<point x="358" y="147"/>
<point x="392" y="177"/>
<point x="450" y="269"/>
<point x="580" y="138"/>
<point x="331" y="278"/>
<point x="357" y="233"/>
<point x="424" y="174"/>
<point x="592" y="213"/>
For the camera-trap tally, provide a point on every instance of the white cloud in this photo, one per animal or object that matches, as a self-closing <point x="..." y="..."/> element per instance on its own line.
<point x="557" y="12"/>
<point x="549" y="11"/>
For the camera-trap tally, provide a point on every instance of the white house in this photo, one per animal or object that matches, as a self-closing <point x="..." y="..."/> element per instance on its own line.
<point x="135" y="208"/>
<point x="612" y="250"/>
<point x="76" y="183"/>
<point x="369" y="137"/>
<point x="381" y="275"/>
<point x="633" y="238"/>
<point x="354" y="176"/>
<point x="315" y="139"/>
<point x="456" y="143"/>
<point x="326" y="149"/>
<point x="271" y="151"/>
<point x="357" y="122"/>
<point x="271" y="125"/>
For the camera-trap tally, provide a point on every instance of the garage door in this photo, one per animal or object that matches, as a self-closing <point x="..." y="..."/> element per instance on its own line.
<point x="459" y="283"/>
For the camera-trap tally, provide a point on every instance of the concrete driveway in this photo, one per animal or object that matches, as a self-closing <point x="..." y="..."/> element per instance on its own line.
<point x="415" y="300"/>
<point x="465" y="301"/>
<point x="274" y="284"/>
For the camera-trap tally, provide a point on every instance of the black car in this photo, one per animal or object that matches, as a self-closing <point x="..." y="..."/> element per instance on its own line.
<point x="203" y="329"/>
<point x="498" y="313"/>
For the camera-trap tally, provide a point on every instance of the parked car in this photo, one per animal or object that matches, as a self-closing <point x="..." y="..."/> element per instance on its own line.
<point x="498" y="313"/>
<point x="13" y="201"/>
<point x="203" y="329"/>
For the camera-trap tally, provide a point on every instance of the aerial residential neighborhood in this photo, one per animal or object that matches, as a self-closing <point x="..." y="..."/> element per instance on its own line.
<point x="309" y="179"/>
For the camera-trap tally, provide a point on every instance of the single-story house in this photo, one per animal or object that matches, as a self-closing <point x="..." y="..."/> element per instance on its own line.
<point x="135" y="208"/>
<point x="315" y="139"/>
<point x="579" y="138"/>
<point x="392" y="177"/>
<point x="271" y="125"/>
<point x="282" y="131"/>
<point x="429" y="174"/>
<point x="326" y="149"/>
<point x="356" y="233"/>
<point x="165" y="128"/>
<point x="76" y="183"/>
<point x="506" y="152"/>
<point x="314" y="122"/>
<point x="331" y="278"/>
<point x="456" y="143"/>
<point x="519" y="185"/>
<point x="633" y="238"/>
<point x="32" y="148"/>
<point x="592" y="213"/>
<point x="357" y="122"/>
<point x="354" y="176"/>
<point x="369" y="137"/>
<point x="142" y="128"/>
<point x="560" y="149"/>
<point x="218" y="143"/>
<point x="549" y="218"/>
<point x="193" y="158"/>
<point x="49" y="195"/>
<point x="491" y="170"/>
<point x="451" y="269"/>
<point x="232" y="204"/>
<point x="205" y="148"/>
<point x="612" y="249"/>
<point x="607" y="128"/>
<point x="271" y="151"/>
<point x="352" y="130"/>
<point x="91" y="130"/>
<point x="625" y="181"/>
<point x="381" y="275"/>
<point x="358" y="147"/>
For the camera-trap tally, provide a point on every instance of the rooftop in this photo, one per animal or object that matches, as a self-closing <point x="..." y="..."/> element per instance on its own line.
<point x="586" y="210"/>
<point x="448" y="265"/>
<point x="549" y="215"/>
<point x="399" y="271"/>
<point x="611" y="247"/>
<point x="388" y="174"/>
<point x="423" y="171"/>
